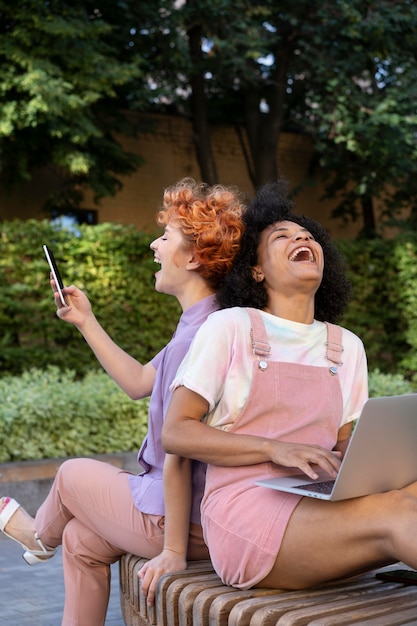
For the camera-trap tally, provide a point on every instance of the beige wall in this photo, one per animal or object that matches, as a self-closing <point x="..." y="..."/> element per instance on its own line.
<point x="169" y="155"/>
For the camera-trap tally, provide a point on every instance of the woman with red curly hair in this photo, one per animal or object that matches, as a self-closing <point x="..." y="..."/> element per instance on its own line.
<point x="96" y="511"/>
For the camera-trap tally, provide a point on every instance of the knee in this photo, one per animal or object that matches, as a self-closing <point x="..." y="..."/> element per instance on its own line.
<point x="398" y="512"/>
<point x="71" y="472"/>
<point x="401" y="501"/>
<point x="70" y="536"/>
<point x="67" y="468"/>
<point x="76" y="539"/>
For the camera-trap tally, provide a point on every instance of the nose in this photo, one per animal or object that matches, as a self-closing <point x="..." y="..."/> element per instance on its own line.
<point x="302" y="235"/>
<point x="152" y="245"/>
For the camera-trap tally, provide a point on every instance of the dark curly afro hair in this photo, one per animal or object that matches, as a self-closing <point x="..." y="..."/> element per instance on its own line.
<point x="269" y="206"/>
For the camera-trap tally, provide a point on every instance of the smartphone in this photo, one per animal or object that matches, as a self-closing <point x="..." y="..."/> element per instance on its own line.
<point x="55" y="273"/>
<point x="405" y="576"/>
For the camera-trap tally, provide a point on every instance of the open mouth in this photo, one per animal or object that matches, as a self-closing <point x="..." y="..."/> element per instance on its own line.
<point x="302" y="254"/>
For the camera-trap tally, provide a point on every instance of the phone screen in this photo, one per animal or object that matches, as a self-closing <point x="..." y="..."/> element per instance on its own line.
<point x="55" y="272"/>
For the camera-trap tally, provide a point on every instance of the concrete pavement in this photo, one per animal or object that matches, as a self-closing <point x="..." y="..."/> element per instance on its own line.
<point x="34" y="595"/>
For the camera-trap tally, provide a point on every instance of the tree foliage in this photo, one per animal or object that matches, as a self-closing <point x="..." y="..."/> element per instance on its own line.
<point x="343" y="71"/>
<point x="366" y="123"/>
<point x="64" y="66"/>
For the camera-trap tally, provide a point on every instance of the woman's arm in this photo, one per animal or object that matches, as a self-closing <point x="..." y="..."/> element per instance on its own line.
<point x="178" y="497"/>
<point x="185" y="434"/>
<point x="343" y="438"/>
<point x="135" y="379"/>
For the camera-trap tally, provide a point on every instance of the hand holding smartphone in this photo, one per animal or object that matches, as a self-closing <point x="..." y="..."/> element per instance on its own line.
<point x="55" y="273"/>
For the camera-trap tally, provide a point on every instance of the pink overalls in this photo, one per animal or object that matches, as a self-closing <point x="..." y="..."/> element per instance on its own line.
<point x="244" y="524"/>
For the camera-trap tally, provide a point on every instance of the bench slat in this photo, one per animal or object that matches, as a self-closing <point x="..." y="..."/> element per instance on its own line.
<point x="197" y="597"/>
<point x="331" y="609"/>
<point x="241" y="614"/>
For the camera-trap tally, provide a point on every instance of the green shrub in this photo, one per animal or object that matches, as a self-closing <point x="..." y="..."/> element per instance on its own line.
<point x="383" y="310"/>
<point x="54" y="402"/>
<point x="405" y="255"/>
<point x="111" y="262"/>
<point x="114" y="265"/>
<point x="49" y="413"/>
<point x="381" y="384"/>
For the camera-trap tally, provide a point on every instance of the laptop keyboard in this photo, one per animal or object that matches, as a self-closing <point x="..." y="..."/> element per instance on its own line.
<point x="325" y="487"/>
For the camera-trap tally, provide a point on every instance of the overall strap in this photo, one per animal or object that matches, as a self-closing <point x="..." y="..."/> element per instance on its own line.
<point x="260" y="345"/>
<point x="334" y="346"/>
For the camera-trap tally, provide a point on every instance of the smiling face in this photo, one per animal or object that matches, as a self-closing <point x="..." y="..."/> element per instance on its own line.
<point x="175" y="256"/>
<point x="289" y="259"/>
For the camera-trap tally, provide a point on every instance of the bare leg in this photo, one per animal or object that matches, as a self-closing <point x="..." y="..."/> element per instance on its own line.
<point x="21" y="527"/>
<point x="329" y="540"/>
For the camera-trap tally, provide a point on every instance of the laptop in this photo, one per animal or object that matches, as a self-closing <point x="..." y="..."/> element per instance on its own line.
<point x="381" y="455"/>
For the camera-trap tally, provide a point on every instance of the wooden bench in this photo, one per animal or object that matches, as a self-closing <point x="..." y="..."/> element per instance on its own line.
<point x="197" y="597"/>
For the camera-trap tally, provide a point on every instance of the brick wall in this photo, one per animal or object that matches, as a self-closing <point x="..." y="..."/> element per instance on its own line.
<point x="169" y="156"/>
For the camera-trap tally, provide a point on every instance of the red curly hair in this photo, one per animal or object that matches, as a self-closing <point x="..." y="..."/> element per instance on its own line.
<point x="210" y="218"/>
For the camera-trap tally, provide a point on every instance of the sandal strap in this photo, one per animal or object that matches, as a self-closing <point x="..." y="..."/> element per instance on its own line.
<point x="7" y="512"/>
<point x="45" y="550"/>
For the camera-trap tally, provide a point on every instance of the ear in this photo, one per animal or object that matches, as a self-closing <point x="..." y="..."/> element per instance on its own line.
<point x="257" y="274"/>
<point x="192" y="263"/>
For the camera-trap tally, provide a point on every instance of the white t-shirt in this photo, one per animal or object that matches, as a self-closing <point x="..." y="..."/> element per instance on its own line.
<point x="219" y="363"/>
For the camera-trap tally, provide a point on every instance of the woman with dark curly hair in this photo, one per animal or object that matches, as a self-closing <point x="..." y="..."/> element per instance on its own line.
<point x="271" y="205"/>
<point x="95" y="510"/>
<point x="272" y="389"/>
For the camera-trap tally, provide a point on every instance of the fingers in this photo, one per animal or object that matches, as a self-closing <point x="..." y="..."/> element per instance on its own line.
<point x="152" y="571"/>
<point x="307" y="458"/>
<point x="61" y="310"/>
<point x="328" y="461"/>
<point x="149" y="577"/>
<point x="57" y="299"/>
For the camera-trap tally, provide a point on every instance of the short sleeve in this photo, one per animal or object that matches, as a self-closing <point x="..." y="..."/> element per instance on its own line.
<point x="220" y="353"/>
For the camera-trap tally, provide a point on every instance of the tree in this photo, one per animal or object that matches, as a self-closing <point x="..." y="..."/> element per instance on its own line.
<point x="342" y="70"/>
<point x="364" y="119"/>
<point x="64" y="67"/>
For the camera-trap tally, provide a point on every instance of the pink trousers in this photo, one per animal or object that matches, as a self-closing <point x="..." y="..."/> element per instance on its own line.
<point x="90" y="511"/>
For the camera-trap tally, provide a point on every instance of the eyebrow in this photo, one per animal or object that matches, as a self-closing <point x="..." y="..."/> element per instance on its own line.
<point x="276" y="229"/>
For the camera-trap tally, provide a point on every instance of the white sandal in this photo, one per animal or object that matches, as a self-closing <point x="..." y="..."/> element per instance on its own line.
<point x="31" y="556"/>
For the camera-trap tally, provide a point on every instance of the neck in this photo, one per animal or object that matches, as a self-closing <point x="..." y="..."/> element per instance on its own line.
<point x="297" y="309"/>
<point x="193" y="295"/>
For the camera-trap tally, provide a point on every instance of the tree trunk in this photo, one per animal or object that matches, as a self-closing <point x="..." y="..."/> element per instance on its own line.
<point x="368" y="216"/>
<point x="201" y="129"/>
<point x="263" y="128"/>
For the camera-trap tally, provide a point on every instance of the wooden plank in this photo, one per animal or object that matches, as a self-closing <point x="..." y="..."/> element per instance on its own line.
<point x="196" y="597"/>
<point x="203" y="602"/>
<point x="362" y="605"/>
<point x="279" y="608"/>
<point x="212" y="607"/>
<point x="181" y="580"/>
<point x="391" y="613"/>
<point x="242" y="613"/>
<point x="177" y="595"/>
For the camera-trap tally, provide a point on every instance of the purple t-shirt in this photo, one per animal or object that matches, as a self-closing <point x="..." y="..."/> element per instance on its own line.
<point x="147" y="488"/>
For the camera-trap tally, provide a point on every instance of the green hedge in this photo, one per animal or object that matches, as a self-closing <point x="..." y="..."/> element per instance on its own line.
<point x="114" y="264"/>
<point x="54" y="401"/>
<point x="383" y="310"/>
<point x="381" y="384"/>
<point x="111" y="262"/>
<point x="48" y="413"/>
